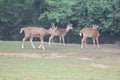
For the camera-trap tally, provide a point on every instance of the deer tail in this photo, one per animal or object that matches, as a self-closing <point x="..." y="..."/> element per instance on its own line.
<point x="81" y="32"/>
<point x="22" y="29"/>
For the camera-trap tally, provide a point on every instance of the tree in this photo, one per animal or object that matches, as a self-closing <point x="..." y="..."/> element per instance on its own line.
<point x="21" y="13"/>
<point x="59" y="11"/>
<point x="81" y="13"/>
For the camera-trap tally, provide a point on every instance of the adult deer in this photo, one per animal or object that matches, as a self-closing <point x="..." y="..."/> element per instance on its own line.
<point x="90" y="32"/>
<point x="61" y="32"/>
<point x="40" y="32"/>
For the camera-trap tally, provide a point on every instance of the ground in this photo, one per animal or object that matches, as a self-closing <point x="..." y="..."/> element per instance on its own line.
<point x="68" y="62"/>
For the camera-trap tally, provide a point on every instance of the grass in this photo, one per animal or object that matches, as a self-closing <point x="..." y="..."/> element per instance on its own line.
<point x="70" y="66"/>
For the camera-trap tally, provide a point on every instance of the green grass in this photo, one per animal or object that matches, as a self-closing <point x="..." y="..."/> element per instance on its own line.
<point x="70" y="67"/>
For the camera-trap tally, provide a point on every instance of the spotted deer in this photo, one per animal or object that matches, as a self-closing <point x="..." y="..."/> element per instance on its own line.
<point x="61" y="32"/>
<point x="90" y="32"/>
<point x="31" y="32"/>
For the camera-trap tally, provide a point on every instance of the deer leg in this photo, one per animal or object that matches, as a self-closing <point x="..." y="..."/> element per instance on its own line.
<point x="39" y="46"/>
<point x="23" y="41"/>
<point x="52" y="40"/>
<point x="51" y="37"/>
<point x="59" y="40"/>
<point x="82" y="42"/>
<point x="97" y="42"/>
<point x="94" y="42"/>
<point x="32" y="43"/>
<point x="85" y="42"/>
<point x="42" y="44"/>
<point x="63" y="40"/>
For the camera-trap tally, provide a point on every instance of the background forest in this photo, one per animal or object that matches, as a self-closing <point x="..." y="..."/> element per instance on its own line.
<point x="15" y="14"/>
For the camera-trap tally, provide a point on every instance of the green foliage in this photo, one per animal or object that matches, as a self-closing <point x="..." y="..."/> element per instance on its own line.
<point x="15" y="14"/>
<point x="84" y="13"/>
<point x="59" y="11"/>
<point x="20" y="12"/>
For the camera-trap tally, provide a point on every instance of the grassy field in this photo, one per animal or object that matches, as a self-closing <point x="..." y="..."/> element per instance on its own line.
<point x="59" y="62"/>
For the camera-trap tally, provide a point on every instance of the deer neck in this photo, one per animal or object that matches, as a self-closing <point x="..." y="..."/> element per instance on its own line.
<point x="67" y="29"/>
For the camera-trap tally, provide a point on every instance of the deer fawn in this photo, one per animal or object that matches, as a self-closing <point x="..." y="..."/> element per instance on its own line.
<point x="40" y="32"/>
<point x="61" y="33"/>
<point x="90" y="32"/>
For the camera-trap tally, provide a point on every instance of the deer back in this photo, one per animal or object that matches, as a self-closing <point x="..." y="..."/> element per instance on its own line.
<point x="35" y="31"/>
<point x="63" y="31"/>
<point x="90" y="32"/>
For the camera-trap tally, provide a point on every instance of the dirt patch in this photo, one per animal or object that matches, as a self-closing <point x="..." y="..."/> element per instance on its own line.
<point x="86" y="58"/>
<point x="44" y="55"/>
<point x="83" y="58"/>
<point x="34" y="55"/>
<point x="99" y="66"/>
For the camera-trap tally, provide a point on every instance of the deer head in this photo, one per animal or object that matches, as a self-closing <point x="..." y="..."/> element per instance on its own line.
<point x="69" y="26"/>
<point x="95" y="26"/>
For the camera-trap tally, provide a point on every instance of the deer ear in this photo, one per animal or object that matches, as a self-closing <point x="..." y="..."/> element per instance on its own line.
<point x="55" y="27"/>
<point x="93" y="26"/>
<point x="52" y="23"/>
<point x="97" y="26"/>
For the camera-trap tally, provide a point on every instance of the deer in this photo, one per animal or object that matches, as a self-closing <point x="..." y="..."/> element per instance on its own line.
<point x="53" y="27"/>
<point x="90" y="32"/>
<point x="31" y="32"/>
<point x="61" y="32"/>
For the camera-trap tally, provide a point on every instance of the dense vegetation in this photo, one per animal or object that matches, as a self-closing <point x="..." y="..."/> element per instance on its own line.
<point x="15" y="14"/>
